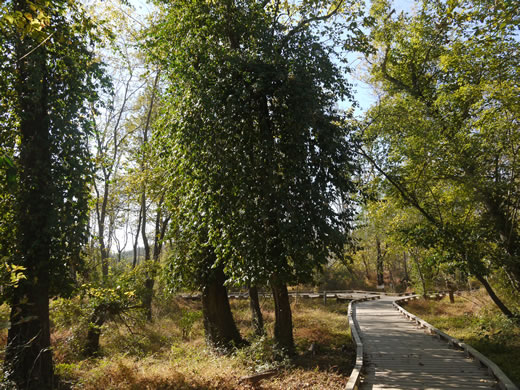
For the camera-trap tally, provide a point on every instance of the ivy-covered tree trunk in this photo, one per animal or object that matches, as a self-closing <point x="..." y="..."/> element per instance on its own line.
<point x="283" y="330"/>
<point x="219" y="325"/>
<point x="28" y="357"/>
<point x="256" y="313"/>
<point x="261" y="177"/>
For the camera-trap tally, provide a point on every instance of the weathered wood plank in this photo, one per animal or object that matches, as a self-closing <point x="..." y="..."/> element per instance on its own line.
<point x="401" y="355"/>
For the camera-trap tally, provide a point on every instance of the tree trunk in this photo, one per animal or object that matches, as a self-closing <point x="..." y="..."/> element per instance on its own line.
<point x="283" y="330"/>
<point x="451" y="289"/>
<point x="452" y="297"/>
<point x="405" y="264"/>
<point x="160" y="230"/>
<point x="380" y="270"/>
<point x="104" y="263"/>
<point x="503" y="308"/>
<point x="365" y="263"/>
<point x="144" y="237"/>
<point x="136" y="239"/>
<point x="150" y="279"/>
<point x="97" y="320"/>
<point x="28" y="357"/>
<point x="101" y="216"/>
<point x="421" y="276"/>
<point x="256" y="314"/>
<point x="507" y="229"/>
<point x="219" y="325"/>
<point x="148" y="295"/>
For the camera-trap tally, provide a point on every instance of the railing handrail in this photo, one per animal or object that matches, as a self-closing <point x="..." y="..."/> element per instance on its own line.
<point x="503" y="381"/>
<point x="355" y="376"/>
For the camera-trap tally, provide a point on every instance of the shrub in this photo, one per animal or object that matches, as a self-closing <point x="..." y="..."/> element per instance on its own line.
<point x="187" y="320"/>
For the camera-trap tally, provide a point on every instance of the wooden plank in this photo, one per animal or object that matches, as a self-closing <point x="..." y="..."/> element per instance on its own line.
<point x="398" y="354"/>
<point x="504" y="382"/>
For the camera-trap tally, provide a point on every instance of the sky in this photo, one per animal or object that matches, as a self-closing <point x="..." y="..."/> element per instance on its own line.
<point x="364" y="94"/>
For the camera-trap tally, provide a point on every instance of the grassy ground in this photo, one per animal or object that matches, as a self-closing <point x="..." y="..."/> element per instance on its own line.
<point x="171" y="353"/>
<point x="474" y="319"/>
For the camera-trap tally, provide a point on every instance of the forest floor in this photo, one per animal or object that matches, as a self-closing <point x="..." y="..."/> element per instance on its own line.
<point x="170" y="353"/>
<point x="475" y="320"/>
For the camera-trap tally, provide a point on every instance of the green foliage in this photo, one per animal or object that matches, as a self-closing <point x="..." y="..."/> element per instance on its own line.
<point x="188" y="319"/>
<point x="118" y="300"/>
<point x="67" y="312"/>
<point x="439" y="134"/>
<point x="262" y="354"/>
<point x="65" y="372"/>
<point x="7" y="165"/>
<point x="69" y="316"/>
<point x="60" y="37"/>
<point x="335" y="276"/>
<point x="10" y="276"/>
<point x="255" y="153"/>
<point x="114" y="299"/>
<point x="123" y="291"/>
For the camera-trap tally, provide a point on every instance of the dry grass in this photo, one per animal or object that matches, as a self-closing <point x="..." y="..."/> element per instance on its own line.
<point x="124" y="372"/>
<point x="160" y="356"/>
<point x="474" y="319"/>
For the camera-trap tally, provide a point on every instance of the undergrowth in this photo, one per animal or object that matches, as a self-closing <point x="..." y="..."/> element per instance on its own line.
<point x="170" y="353"/>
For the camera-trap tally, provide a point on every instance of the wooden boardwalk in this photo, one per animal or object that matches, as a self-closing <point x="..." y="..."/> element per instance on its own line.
<point x="398" y="355"/>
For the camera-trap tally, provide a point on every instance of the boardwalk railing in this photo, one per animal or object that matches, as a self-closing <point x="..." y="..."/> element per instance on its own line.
<point x="355" y="376"/>
<point x="503" y="381"/>
<point x="340" y="295"/>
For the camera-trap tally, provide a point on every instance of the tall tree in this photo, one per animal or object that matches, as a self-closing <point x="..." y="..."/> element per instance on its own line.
<point x="114" y="125"/>
<point x="447" y="127"/>
<point x="149" y="181"/>
<point x="49" y="74"/>
<point x="259" y="154"/>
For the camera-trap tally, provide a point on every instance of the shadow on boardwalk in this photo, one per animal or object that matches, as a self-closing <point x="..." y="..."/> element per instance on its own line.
<point x="398" y="355"/>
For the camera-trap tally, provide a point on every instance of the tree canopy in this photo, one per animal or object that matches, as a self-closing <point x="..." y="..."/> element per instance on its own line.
<point x="446" y="126"/>
<point x="258" y="155"/>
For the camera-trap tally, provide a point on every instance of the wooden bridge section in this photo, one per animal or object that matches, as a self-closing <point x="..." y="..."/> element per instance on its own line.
<point x="399" y="355"/>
